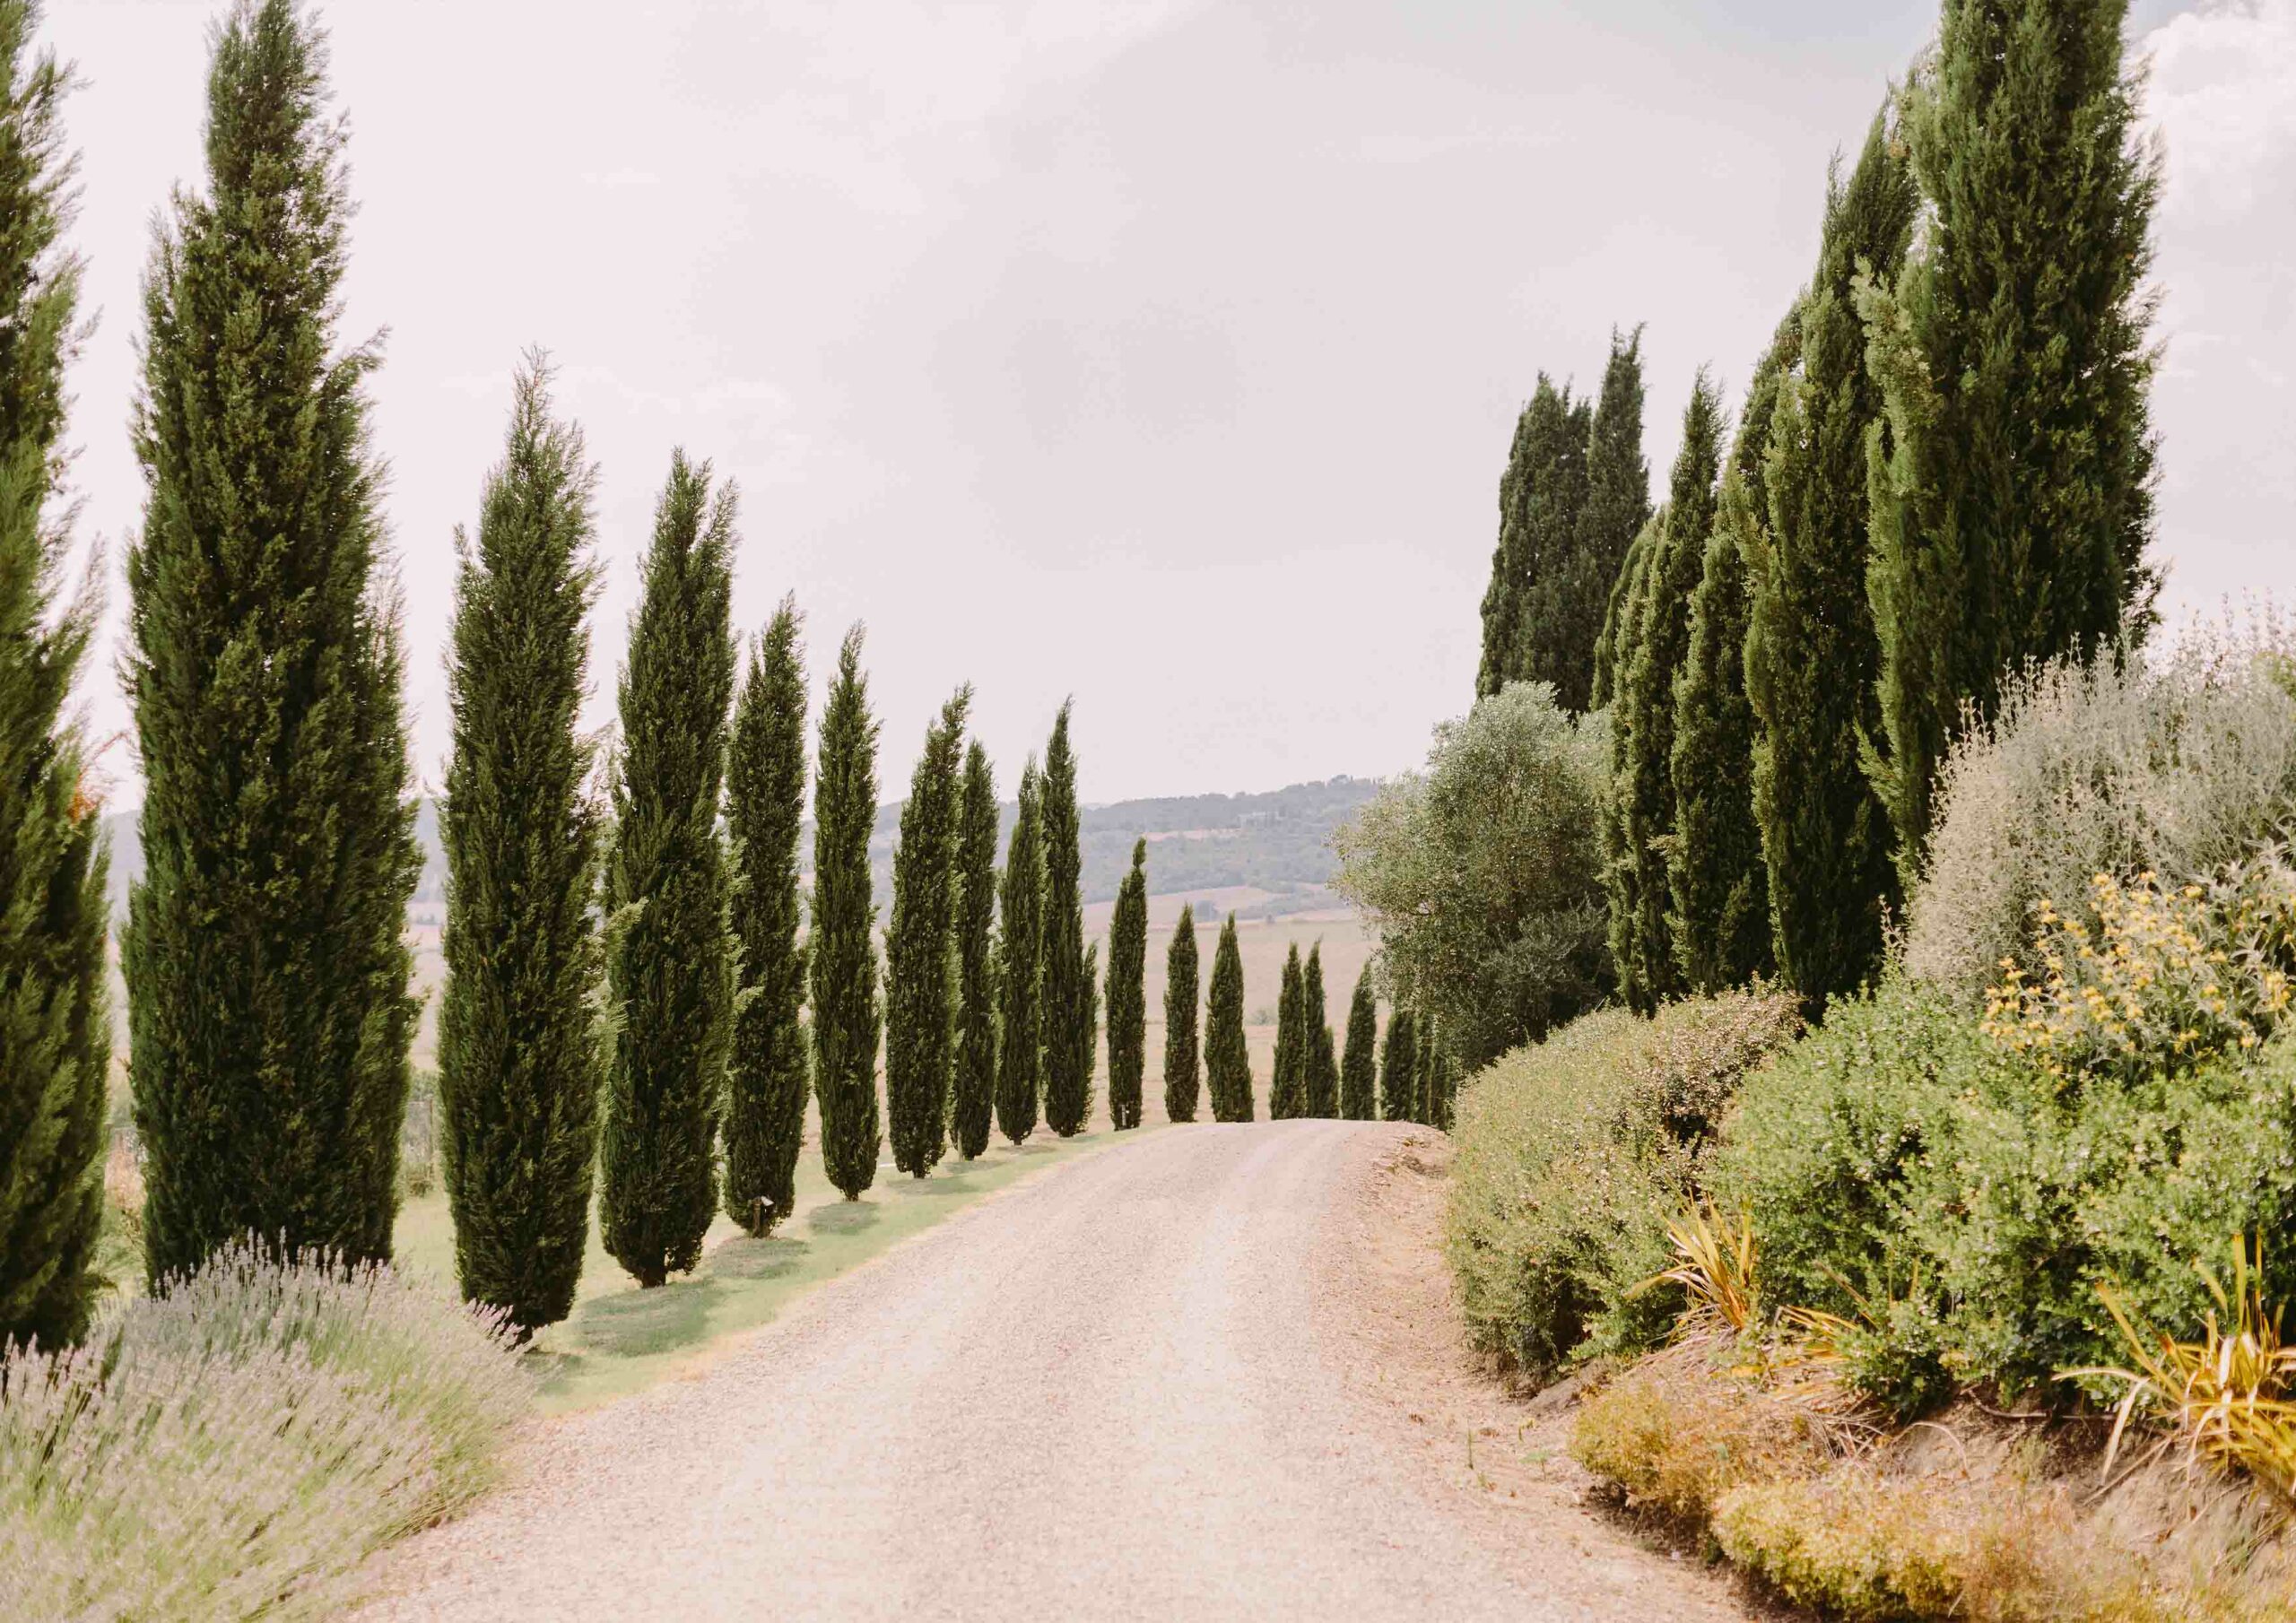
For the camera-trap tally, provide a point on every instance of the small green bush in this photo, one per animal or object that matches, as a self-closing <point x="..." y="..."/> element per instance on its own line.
<point x="1962" y="1203"/>
<point x="236" y="1446"/>
<point x="1574" y="1153"/>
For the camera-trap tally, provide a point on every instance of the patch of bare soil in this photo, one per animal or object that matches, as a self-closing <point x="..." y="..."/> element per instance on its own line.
<point x="1390" y="1316"/>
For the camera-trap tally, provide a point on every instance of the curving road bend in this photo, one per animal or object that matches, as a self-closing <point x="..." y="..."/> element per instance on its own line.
<point x="1115" y="1392"/>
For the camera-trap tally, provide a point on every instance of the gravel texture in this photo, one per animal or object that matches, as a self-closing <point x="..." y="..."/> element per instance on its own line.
<point x="1131" y="1388"/>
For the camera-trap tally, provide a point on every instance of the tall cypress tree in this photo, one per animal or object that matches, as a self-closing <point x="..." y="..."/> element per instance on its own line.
<point x="1641" y="943"/>
<point x="1287" y="1095"/>
<point x="1719" y="887"/>
<point x="842" y="954"/>
<point x="518" y="1051"/>
<point x="1532" y="624"/>
<point x="1066" y="1009"/>
<point x="1129" y="993"/>
<point x="55" y="1019"/>
<point x="973" y="1087"/>
<point x="2013" y="493"/>
<point x="1020" y="1052"/>
<point x="1399" y="1067"/>
<point x="1811" y="658"/>
<point x="921" y="1013"/>
<point x="1616" y="507"/>
<point x="268" y="1012"/>
<point x="1323" y="1063"/>
<point x="669" y="954"/>
<point x="1183" y="1055"/>
<point x="1627" y="593"/>
<point x="1227" y="1056"/>
<point x="1359" y="1066"/>
<point x="769" y="1077"/>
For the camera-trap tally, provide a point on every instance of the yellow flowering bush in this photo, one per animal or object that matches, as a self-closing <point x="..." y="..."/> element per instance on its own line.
<point x="2169" y="975"/>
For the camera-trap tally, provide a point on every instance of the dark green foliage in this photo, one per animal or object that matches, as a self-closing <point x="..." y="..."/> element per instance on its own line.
<point x="1427" y="1072"/>
<point x="1359" y="1066"/>
<point x="1618" y="620"/>
<point x="1534" y="626"/>
<point x="2013" y="493"/>
<point x="1129" y="993"/>
<point x="1715" y="876"/>
<point x="973" y="1087"/>
<point x="669" y="953"/>
<point x="1287" y="1095"/>
<point x="54" y="1021"/>
<point x="1183" y="1059"/>
<point x="1811" y="658"/>
<point x="1617" y="505"/>
<point x="1399" y="1068"/>
<point x="1092" y="1014"/>
<point x="920" y="985"/>
<point x="1227" y="1058"/>
<point x="268" y="1012"/>
<point x="1656" y="644"/>
<point x="1067" y="994"/>
<point x="1020" y="1055"/>
<point x="518" y="1050"/>
<point x="1575" y="1154"/>
<point x="842" y="953"/>
<point x="769" y="1077"/>
<point x="1323" y="1063"/>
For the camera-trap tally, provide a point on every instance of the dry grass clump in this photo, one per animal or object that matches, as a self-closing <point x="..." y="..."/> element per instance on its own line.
<point x="236" y="1446"/>
<point x="1678" y="1437"/>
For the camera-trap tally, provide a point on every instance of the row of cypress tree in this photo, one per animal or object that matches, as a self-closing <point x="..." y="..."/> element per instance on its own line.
<point x="1941" y="470"/>
<point x="626" y="982"/>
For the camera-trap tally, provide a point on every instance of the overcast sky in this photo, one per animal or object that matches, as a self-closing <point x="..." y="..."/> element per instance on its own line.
<point x="1164" y="351"/>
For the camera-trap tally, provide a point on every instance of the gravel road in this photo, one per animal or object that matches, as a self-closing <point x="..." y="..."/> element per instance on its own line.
<point x="1118" y="1391"/>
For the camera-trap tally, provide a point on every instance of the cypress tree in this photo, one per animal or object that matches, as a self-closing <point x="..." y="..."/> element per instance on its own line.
<point x="973" y="1089"/>
<point x="1129" y="993"/>
<point x="268" y="1012"/>
<point x="1092" y="1014"/>
<point x="1811" y="658"/>
<point x="54" y="1023"/>
<point x="1641" y="943"/>
<point x="920" y="1015"/>
<point x="1323" y="1064"/>
<point x="1399" y="1067"/>
<point x="519" y="1051"/>
<point x="1719" y="887"/>
<point x="1066" y="1007"/>
<point x="769" y="1077"/>
<point x="1427" y="1072"/>
<point x="669" y="955"/>
<point x="1616" y="506"/>
<point x="1020" y="1055"/>
<point x="1533" y="625"/>
<point x="1359" y="1066"/>
<point x="1287" y="1095"/>
<point x="842" y="954"/>
<point x="1227" y="1056"/>
<point x="2011" y="495"/>
<point x="1618" y="618"/>
<point x="1183" y="1058"/>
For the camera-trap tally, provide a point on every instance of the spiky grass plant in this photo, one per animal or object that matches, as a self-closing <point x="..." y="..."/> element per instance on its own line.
<point x="2226" y="1400"/>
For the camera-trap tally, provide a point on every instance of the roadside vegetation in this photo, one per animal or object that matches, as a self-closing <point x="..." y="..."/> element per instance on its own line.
<point x="1906" y="1184"/>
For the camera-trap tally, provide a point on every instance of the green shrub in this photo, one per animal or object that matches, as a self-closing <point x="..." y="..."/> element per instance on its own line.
<point x="1573" y="1154"/>
<point x="2176" y="766"/>
<point x="236" y="1446"/>
<point x="1963" y="1202"/>
<point x="1482" y="876"/>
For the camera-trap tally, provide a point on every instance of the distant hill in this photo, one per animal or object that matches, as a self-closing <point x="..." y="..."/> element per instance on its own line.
<point x="1279" y="842"/>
